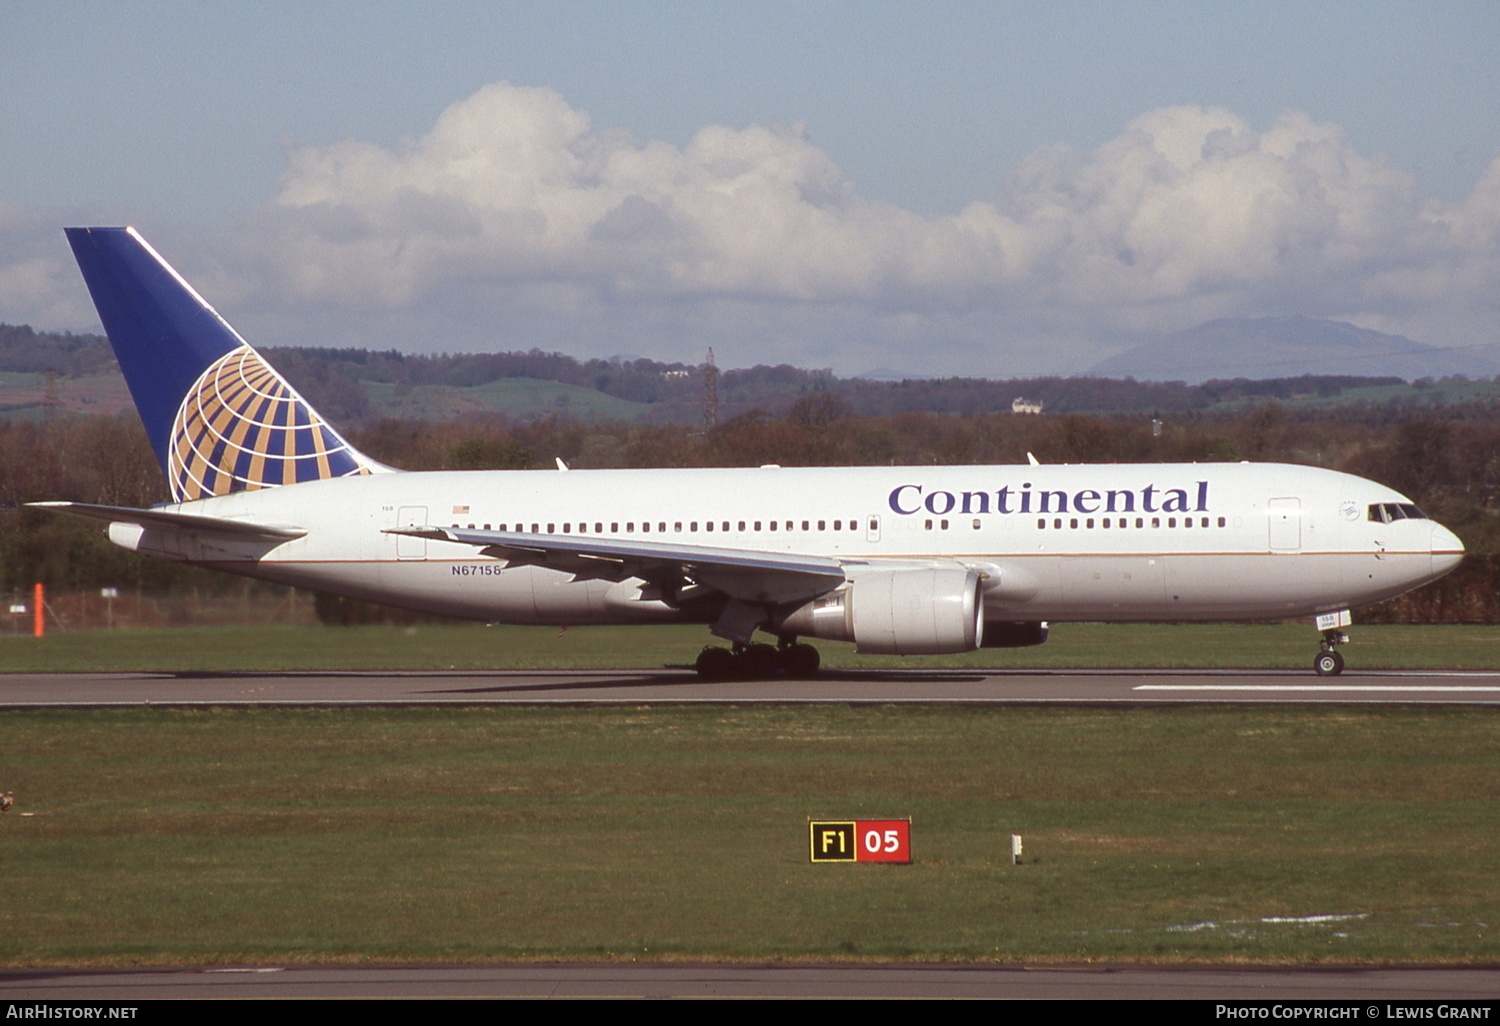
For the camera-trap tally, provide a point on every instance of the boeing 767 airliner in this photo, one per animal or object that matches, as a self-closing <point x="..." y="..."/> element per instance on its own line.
<point x="903" y="560"/>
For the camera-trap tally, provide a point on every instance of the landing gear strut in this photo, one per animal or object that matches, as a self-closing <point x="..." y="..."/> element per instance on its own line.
<point x="1328" y="662"/>
<point x="758" y="662"/>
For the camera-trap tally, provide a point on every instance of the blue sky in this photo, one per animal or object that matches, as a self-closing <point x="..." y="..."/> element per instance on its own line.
<point x="939" y="187"/>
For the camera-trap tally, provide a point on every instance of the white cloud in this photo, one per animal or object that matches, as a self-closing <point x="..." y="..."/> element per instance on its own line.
<point x="39" y="283"/>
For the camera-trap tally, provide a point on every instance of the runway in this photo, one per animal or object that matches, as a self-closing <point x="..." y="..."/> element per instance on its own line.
<point x="625" y="687"/>
<point x="1401" y="986"/>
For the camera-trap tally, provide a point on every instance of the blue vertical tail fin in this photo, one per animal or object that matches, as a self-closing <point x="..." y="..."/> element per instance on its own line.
<point x="219" y="417"/>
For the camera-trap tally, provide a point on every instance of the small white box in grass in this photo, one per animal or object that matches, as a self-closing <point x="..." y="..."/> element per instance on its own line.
<point x="1015" y="849"/>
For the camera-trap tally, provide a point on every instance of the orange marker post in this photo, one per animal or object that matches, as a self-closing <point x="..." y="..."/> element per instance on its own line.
<point x="39" y="615"/>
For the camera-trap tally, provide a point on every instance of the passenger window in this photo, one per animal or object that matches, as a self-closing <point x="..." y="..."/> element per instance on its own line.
<point x="614" y="527"/>
<point x="630" y="527"/>
<point x="943" y="524"/>
<point x="929" y="525"/>
<point x="645" y="527"/>
<point x="976" y="523"/>
<point x="1041" y="525"/>
<point x="822" y="525"/>
<point x="1221" y="521"/>
<point x="1156" y="521"/>
<point x="742" y="526"/>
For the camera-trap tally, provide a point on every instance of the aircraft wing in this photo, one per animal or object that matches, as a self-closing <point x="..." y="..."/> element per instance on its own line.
<point x="751" y="576"/>
<point x="195" y="522"/>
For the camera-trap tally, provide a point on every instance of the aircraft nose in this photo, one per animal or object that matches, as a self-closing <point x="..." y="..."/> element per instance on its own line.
<point x="1447" y="550"/>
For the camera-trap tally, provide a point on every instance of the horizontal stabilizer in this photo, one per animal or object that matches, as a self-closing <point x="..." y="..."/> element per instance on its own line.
<point x="180" y="521"/>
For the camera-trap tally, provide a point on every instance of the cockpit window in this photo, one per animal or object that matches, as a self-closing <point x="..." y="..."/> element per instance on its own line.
<point x="1387" y="512"/>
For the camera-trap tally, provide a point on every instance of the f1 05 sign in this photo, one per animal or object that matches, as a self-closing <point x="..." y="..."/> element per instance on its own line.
<point x="860" y="840"/>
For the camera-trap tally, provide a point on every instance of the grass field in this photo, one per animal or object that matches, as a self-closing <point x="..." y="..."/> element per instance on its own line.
<point x="1198" y="834"/>
<point x="1087" y="645"/>
<point x="165" y="836"/>
<point x="513" y="397"/>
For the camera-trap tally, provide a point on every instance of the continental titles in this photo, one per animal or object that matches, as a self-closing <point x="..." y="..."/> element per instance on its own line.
<point x="911" y="499"/>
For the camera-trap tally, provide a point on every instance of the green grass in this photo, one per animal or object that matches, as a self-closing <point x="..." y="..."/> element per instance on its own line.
<point x="1185" y="834"/>
<point x="1087" y="645"/>
<point x="515" y="397"/>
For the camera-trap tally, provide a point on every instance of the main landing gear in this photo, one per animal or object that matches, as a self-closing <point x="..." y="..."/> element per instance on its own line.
<point x="1328" y="662"/>
<point x="758" y="662"/>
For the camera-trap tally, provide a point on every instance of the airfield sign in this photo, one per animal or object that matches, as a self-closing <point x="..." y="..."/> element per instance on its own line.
<point x="860" y="840"/>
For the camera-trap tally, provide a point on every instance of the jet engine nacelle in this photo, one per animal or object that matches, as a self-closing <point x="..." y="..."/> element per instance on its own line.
<point x="899" y="612"/>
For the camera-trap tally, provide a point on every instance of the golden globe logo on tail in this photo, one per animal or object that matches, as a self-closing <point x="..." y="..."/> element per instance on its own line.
<point x="242" y="427"/>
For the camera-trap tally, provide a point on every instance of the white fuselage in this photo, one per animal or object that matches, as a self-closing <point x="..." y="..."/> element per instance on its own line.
<point x="1220" y="541"/>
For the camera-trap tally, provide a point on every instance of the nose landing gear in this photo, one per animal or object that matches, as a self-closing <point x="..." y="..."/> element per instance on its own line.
<point x="1328" y="662"/>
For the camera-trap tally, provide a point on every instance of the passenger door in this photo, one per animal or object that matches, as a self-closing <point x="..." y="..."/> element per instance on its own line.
<point x="1285" y="524"/>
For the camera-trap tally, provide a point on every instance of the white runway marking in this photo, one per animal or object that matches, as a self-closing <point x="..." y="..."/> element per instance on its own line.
<point x="1464" y="688"/>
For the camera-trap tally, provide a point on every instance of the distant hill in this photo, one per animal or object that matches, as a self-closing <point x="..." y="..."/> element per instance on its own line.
<point x="42" y="373"/>
<point x="1264" y="347"/>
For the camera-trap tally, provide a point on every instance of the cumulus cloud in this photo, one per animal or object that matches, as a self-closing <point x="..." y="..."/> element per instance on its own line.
<point x="39" y="283"/>
<point x="512" y="186"/>
<point x="514" y="212"/>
